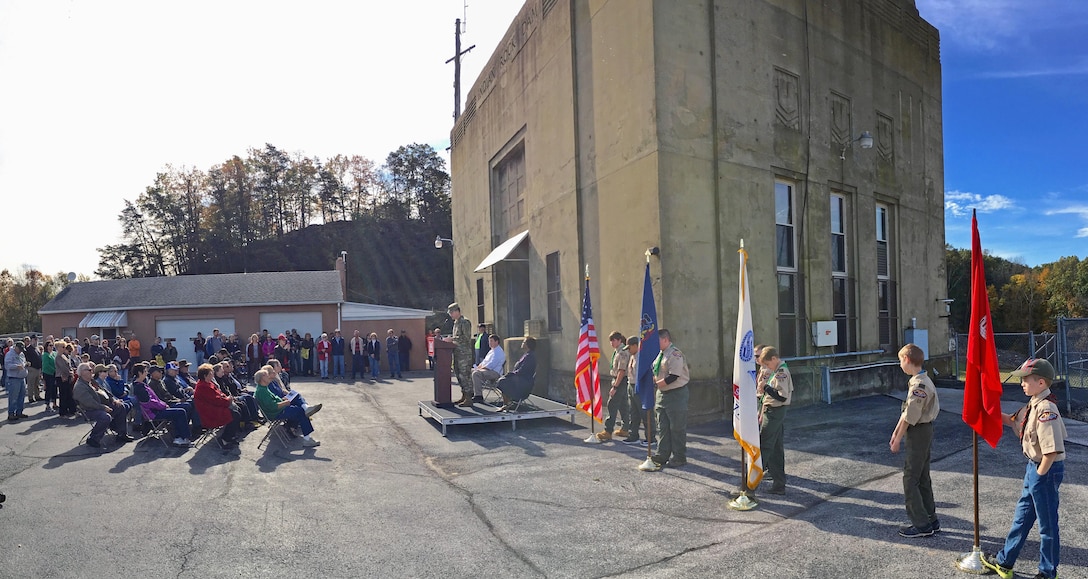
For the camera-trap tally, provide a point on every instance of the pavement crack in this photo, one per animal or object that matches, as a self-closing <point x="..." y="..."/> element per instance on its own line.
<point x="190" y="548"/>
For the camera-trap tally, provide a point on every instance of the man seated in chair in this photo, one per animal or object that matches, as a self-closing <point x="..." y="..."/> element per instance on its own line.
<point x="517" y="384"/>
<point x="280" y="388"/>
<point x="100" y="407"/>
<point x="488" y="370"/>
<point x="275" y="408"/>
<point x="156" y="385"/>
<point x="151" y="408"/>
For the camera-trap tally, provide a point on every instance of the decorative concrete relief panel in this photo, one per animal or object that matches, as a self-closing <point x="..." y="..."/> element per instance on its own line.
<point x="787" y="99"/>
<point x="885" y="137"/>
<point x="841" y="120"/>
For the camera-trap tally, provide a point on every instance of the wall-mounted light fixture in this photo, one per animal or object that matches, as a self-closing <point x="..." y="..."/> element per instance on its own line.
<point x="865" y="139"/>
<point x="439" y="242"/>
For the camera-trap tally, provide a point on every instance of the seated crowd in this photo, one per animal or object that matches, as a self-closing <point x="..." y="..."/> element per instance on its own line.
<point x="79" y="381"/>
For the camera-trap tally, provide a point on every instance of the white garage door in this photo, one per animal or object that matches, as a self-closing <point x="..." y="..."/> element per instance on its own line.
<point x="183" y="331"/>
<point x="281" y="322"/>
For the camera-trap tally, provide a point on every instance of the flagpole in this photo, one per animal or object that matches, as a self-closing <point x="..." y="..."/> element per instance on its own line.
<point x="972" y="562"/>
<point x="744" y="499"/>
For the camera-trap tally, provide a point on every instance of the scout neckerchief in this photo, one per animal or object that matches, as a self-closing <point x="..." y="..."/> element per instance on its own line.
<point x="657" y="362"/>
<point x="1027" y="415"/>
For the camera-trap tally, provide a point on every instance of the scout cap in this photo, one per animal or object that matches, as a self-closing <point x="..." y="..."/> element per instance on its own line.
<point x="452" y="307"/>
<point x="1036" y="366"/>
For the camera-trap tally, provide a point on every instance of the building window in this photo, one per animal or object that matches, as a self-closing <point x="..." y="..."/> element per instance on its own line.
<point x="480" y="301"/>
<point x="842" y="284"/>
<point x="509" y="193"/>
<point x="786" y="263"/>
<point x="887" y="310"/>
<point x="555" y="293"/>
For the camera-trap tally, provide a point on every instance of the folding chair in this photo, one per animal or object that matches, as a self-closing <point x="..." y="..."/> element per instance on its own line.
<point x="277" y="425"/>
<point x="87" y="419"/>
<point x="160" y="428"/>
<point x="211" y="433"/>
<point x="492" y="395"/>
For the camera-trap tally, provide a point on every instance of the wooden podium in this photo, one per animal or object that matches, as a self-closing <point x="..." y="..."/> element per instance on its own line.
<point x="443" y="367"/>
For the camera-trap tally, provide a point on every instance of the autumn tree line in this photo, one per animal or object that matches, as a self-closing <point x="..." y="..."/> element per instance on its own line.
<point x="1022" y="298"/>
<point x="279" y="211"/>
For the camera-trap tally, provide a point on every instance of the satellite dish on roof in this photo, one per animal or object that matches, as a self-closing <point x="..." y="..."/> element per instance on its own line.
<point x="71" y="276"/>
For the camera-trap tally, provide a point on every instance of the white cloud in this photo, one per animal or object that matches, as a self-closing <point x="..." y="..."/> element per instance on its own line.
<point x="1078" y="210"/>
<point x="960" y="203"/>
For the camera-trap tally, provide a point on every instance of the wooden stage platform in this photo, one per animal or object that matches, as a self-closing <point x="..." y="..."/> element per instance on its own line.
<point x="533" y="407"/>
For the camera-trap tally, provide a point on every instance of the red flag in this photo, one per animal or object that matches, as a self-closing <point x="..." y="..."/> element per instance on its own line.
<point x="982" y="392"/>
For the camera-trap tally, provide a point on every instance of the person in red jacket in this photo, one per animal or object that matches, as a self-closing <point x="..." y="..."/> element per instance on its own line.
<point x="216" y="408"/>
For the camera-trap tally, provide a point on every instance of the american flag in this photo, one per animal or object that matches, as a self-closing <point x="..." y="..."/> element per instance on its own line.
<point x="587" y="381"/>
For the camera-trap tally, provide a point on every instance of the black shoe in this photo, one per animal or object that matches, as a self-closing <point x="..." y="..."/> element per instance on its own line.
<point x="93" y="443"/>
<point x="123" y="438"/>
<point x="13" y="417"/>
<point x="21" y="415"/>
<point x="479" y="399"/>
<point x="777" y="489"/>
<point x="912" y="532"/>
<point x="936" y="525"/>
<point x="676" y="464"/>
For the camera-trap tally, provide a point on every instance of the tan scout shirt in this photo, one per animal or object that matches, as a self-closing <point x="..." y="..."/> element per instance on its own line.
<point x="781" y="382"/>
<point x="921" y="405"/>
<point x="632" y="369"/>
<point x="621" y="359"/>
<point x="673" y="362"/>
<point x="1040" y="428"/>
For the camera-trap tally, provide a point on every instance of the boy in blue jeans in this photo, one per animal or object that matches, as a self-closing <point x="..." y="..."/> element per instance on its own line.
<point x="1042" y="436"/>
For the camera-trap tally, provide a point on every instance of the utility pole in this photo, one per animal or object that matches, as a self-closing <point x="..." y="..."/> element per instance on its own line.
<point x="456" y="60"/>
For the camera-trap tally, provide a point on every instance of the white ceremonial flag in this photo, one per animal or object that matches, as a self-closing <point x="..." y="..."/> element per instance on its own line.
<point x="745" y="411"/>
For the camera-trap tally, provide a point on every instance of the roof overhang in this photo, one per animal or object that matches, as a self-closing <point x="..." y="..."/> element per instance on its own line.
<point x="503" y="251"/>
<point x="111" y="319"/>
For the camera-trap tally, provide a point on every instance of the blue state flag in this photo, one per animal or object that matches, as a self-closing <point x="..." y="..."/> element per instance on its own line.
<point x="649" y="348"/>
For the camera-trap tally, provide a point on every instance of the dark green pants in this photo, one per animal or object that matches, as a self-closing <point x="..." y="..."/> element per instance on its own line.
<point x="672" y="426"/>
<point x="917" y="486"/>
<point x="634" y="411"/>
<point x="618" y="407"/>
<point x="770" y="443"/>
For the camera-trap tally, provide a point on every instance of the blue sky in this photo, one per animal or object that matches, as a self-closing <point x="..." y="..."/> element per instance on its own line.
<point x="107" y="93"/>
<point x="1015" y="124"/>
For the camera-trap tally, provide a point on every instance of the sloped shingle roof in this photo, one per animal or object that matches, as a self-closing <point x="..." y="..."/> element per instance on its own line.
<point x="193" y="291"/>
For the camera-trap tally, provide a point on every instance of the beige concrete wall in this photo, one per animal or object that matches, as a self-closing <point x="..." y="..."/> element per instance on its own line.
<point x="670" y="129"/>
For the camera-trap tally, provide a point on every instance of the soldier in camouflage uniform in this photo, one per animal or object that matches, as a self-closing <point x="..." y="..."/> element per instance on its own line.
<point x="462" y="355"/>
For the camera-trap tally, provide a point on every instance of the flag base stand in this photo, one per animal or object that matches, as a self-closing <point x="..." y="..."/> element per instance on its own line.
<point x="743" y="502"/>
<point x="743" y="491"/>
<point x="972" y="562"/>
<point x="649" y="465"/>
<point x="592" y="439"/>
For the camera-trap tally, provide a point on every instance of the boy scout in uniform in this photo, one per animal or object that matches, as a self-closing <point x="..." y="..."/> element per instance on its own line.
<point x="617" y="395"/>
<point x="635" y="411"/>
<point x="777" y="391"/>
<point x="671" y="378"/>
<point x="916" y="425"/>
<point x="462" y="354"/>
<point x="1042" y="434"/>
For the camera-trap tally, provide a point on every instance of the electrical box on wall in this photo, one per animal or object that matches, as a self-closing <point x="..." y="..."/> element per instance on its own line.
<point x="919" y="338"/>
<point x="825" y="334"/>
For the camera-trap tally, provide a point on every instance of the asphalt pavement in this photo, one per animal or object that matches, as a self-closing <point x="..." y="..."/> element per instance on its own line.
<point x="385" y="495"/>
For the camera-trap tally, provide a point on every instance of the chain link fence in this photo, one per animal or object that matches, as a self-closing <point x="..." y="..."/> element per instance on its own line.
<point x="1012" y="350"/>
<point x="1073" y="340"/>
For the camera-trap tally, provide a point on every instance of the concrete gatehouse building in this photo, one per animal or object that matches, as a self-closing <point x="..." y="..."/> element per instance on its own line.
<point x="809" y="130"/>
